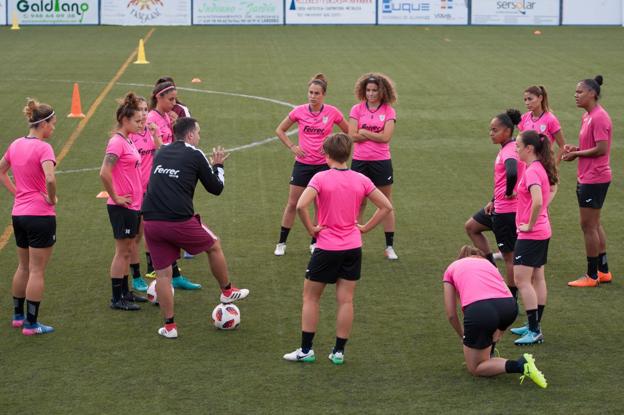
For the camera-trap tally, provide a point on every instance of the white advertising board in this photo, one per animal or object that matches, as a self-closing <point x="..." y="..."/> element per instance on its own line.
<point x="238" y="12"/>
<point x="146" y="12"/>
<point x="515" y="12"/>
<point x="50" y="12"/>
<point x="428" y="12"/>
<point x="597" y="12"/>
<point x="3" y="13"/>
<point x="330" y="11"/>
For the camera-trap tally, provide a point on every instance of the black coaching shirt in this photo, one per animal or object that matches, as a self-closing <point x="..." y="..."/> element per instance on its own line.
<point x="177" y="168"/>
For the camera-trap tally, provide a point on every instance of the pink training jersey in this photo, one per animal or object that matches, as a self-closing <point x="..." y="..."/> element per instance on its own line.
<point x="546" y="124"/>
<point x="501" y="203"/>
<point x="144" y="144"/>
<point x="595" y="126"/>
<point x="127" y="171"/>
<point x="165" y="126"/>
<point x="476" y="279"/>
<point x="314" y="127"/>
<point x="534" y="175"/>
<point x="340" y="193"/>
<point x="374" y="121"/>
<point x="25" y="156"/>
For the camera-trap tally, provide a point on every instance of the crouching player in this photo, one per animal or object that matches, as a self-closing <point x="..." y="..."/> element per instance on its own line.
<point x="489" y="309"/>
<point x="170" y="220"/>
<point x="337" y="259"/>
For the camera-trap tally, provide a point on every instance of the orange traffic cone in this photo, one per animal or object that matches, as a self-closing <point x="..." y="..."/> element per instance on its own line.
<point x="76" y="107"/>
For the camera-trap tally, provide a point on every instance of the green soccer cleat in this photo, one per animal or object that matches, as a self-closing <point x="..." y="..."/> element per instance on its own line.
<point x="139" y="284"/>
<point x="533" y="372"/>
<point x="520" y="331"/>
<point x="337" y="358"/>
<point x="183" y="283"/>
<point x="299" y="356"/>
<point x="530" y="338"/>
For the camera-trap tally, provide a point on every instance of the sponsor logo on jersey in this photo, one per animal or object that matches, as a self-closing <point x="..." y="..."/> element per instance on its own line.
<point x="173" y="173"/>
<point x="312" y="130"/>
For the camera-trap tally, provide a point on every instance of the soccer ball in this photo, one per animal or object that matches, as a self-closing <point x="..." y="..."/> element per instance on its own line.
<point x="151" y="293"/>
<point x="226" y="316"/>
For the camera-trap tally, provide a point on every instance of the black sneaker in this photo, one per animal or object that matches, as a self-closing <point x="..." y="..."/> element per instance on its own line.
<point x="133" y="298"/>
<point x="123" y="304"/>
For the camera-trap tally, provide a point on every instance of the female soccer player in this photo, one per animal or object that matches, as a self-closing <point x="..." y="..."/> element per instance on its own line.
<point x="315" y="120"/>
<point x="32" y="162"/>
<point x="488" y="309"/>
<point x="371" y="125"/>
<point x="536" y="189"/>
<point x="147" y="141"/>
<point x="593" y="176"/>
<point x="121" y="175"/>
<point x="337" y="259"/>
<point x="539" y="118"/>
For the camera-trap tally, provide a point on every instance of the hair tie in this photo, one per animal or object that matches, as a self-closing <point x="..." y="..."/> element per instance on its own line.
<point x="43" y="119"/>
<point x="166" y="89"/>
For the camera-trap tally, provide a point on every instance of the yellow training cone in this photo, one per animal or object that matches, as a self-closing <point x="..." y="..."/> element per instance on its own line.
<point x="15" y="25"/>
<point x="141" y="54"/>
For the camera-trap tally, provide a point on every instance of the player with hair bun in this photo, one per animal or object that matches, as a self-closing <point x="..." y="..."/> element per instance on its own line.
<point x="541" y="119"/>
<point x="593" y="179"/>
<point x="32" y="162"/>
<point x="121" y="176"/>
<point x="315" y="121"/>
<point x="371" y="125"/>
<point x="536" y="189"/>
<point x="488" y="308"/>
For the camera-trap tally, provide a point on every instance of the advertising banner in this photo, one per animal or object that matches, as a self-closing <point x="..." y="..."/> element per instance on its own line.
<point x="515" y="12"/>
<point x="146" y="12"/>
<point x="428" y="12"/>
<point x="50" y="12"/>
<point x="238" y="12"/>
<point x="3" y="13"/>
<point x="599" y="12"/>
<point x="330" y="11"/>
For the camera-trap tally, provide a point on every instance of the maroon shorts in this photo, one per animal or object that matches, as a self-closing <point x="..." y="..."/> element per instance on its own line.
<point x="165" y="239"/>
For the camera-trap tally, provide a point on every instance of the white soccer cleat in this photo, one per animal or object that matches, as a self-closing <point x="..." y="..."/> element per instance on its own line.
<point x="233" y="294"/>
<point x="390" y="254"/>
<point x="299" y="356"/>
<point x="169" y="334"/>
<point x="280" y="249"/>
<point x="498" y="256"/>
<point x="312" y="248"/>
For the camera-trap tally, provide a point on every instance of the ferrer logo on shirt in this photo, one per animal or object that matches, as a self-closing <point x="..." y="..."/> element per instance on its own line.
<point x="174" y="174"/>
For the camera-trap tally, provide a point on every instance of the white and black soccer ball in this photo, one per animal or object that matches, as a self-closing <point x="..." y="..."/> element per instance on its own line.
<point x="151" y="292"/>
<point x="226" y="316"/>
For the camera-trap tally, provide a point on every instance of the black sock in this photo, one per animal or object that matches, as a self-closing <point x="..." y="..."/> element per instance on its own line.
<point x="306" y="341"/>
<point x="533" y="320"/>
<point x="515" y="366"/>
<point x="117" y="288"/>
<point x="175" y="269"/>
<point x="514" y="292"/>
<point x="32" y="311"/>
<point x="124" y="285"/>
<point x="136" y="270"/>
<point x="493" y="350"/>
<point x="284" y="235"/>
<point x="340" y="344"/>
<point x="592" y="266"/>
<point x="540" y="312"/>
<point x="150" y="267"/>
<point x="18" y="306"/>
<point x="227" y="287"/>
<point x="389" y="238"/>
<point x="603" y="266"/>
<point x="169" y="320"/>
<point x="312" y="241"/>
<point x="490" y="257"/>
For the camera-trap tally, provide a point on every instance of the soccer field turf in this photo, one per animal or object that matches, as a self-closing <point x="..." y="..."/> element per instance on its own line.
<point x="403" y="356"/>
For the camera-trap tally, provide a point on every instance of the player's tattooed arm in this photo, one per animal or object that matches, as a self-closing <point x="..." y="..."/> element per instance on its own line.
<point x="111" y="159"/>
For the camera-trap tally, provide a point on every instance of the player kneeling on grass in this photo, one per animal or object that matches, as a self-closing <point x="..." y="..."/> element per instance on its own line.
<point x="170" y="220"/>
<point x="337" y="259"/>
<point x="489" y="309"/>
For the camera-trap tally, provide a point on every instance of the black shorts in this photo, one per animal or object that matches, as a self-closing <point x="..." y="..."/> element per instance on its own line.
<point x="125" y="222"/>
<point x="591" y="195"/>
<point x="483" y="318"/>
<point x="504" y="228"/>
<point x="531" y="252"/>
<point x="379" y="171"/>
<point x="34" y="231"/>
<point x="328" y="266"/>
<point x="303" y="173"/>
<point x="483" y="218"/>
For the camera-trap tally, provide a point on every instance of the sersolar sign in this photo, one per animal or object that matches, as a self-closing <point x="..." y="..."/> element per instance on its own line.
<point x="515" y="12"/>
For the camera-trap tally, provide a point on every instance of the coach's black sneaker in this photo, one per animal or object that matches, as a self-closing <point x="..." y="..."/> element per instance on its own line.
<point x="123" y="304"/>
<point x="133" y="298"/>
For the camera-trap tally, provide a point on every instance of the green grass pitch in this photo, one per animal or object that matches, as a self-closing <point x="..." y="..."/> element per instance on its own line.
<point x="403" y="356"/>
